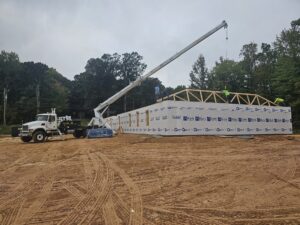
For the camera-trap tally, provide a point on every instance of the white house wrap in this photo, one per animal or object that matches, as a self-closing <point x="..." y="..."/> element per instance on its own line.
<point x="200" y="118"/>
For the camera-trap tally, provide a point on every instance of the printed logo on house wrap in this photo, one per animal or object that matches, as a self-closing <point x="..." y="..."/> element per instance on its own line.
<point x="176" y="117"/>
<point x="199" y="118"/>
<point x="230" y="119"/>
<point x="197" y="129"/>
<point x="211" y="119"/>
<point x="248" y="109"/>
<point x="187" y="118"/>
<point x="242" y="119"/>
<point x="208" y="129"/>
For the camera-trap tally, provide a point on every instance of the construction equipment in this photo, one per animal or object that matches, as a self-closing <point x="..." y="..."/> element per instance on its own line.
<point x="47" y="125"/>
<point x="98" y="121"/>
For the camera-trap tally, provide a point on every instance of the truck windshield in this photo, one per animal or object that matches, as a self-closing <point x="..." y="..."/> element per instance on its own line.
<point x="42" y="117"/>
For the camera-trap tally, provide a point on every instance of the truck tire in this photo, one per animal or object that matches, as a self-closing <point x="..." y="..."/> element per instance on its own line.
<point x="77" y="133"/>
<point x="39" y="136"/>
<point x="26" y="139"/>
<point x="84" y="133"/>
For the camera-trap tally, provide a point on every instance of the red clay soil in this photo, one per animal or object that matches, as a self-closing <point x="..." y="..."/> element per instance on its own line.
<point x="135" y="179"/>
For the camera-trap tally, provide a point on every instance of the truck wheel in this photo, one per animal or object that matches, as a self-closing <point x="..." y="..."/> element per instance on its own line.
<point x="26" y="139"/>
<point x="84" y="133"/>
<point x="77" y="133"/>
<point x="39" y="136"/>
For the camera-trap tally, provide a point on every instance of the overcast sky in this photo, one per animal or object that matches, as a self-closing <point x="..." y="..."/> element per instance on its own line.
<point x="65" y="34"/>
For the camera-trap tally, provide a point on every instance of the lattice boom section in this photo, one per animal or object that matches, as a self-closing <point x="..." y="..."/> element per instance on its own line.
<point x="199" y="118"/>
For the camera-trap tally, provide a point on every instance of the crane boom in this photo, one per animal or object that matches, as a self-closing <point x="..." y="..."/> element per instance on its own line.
<point x="98" y="119"/>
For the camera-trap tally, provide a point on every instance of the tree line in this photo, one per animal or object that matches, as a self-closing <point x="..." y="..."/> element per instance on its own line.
<point x="271" y="70"/>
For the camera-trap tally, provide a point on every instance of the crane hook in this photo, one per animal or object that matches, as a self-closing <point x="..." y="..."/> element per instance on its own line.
<point x="226" y="30"/>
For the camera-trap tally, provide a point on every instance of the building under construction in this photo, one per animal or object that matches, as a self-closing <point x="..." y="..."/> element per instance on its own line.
<point x="203" y="112"/>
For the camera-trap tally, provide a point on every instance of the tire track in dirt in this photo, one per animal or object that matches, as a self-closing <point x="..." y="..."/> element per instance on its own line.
<point x="41" y="183"/>
<point x="8" y="215"/>
<point x="122" y="209"/>
<point x="95" y="197"/>
<point x="74" y="191"/>
<point x="136" y="206"/>
<point x="172" y="217"/>
<point x="24" y="185"/>
<point x="109" y="213"/>
<point x="288" y="174"/>
<point x="243" y="216"/>
<point x="40" y="198"/>
<point x="88" y="169"/>
<point x="105" y="193"/>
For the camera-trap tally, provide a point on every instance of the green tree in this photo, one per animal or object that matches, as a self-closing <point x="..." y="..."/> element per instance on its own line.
<point x="248" y="63"/>
<point x="229" y="74"/>
<point x="199" y="74"/>
<point x="286" y="80"/>
<point x="265" y="68"/>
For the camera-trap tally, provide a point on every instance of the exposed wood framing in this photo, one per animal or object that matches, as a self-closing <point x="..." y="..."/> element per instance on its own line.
<point x="196" y="95"/>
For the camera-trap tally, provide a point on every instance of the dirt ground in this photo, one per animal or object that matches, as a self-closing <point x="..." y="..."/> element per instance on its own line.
<point x="132" y="179"/>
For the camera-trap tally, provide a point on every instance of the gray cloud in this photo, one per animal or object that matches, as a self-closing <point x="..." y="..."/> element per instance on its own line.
<point x="65" y="34"/>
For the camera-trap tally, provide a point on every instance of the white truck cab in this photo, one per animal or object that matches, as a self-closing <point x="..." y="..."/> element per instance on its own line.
<point x="45" y="125"/>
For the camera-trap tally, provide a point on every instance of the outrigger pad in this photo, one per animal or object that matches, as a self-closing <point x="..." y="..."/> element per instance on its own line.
<point x="99" y="133"/>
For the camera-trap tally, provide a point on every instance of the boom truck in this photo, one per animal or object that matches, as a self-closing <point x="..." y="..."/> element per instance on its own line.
<point x="98" y="127"/>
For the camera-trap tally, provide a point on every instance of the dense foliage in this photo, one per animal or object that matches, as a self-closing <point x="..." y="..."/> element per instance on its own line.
<point x="271" y="70"/>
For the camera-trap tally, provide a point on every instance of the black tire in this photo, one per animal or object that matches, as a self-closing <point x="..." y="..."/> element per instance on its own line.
<point x="39" y="136"/>
<point x="26" y="139"/>
<point x="77" y="133"/>
<point x="84" y="133"/>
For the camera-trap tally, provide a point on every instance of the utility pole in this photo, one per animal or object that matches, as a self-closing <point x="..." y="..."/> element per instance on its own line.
<point x="4" y="105"/>
<point x="37" y="91"/>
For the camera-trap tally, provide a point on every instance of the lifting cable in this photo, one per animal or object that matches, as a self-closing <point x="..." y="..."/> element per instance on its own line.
<point x="226" y="44"/>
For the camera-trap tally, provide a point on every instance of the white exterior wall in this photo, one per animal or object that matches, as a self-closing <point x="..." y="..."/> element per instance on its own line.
<point x="199" y="118"/>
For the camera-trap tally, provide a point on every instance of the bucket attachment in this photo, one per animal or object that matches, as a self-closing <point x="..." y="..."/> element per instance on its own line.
<point x="99" y="133"/>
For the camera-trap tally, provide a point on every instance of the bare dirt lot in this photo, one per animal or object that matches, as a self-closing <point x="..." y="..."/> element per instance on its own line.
<point x="131" y="179"/>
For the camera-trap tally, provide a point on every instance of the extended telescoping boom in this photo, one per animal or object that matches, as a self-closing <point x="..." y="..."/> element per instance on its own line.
<point x="98" y="120"/>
